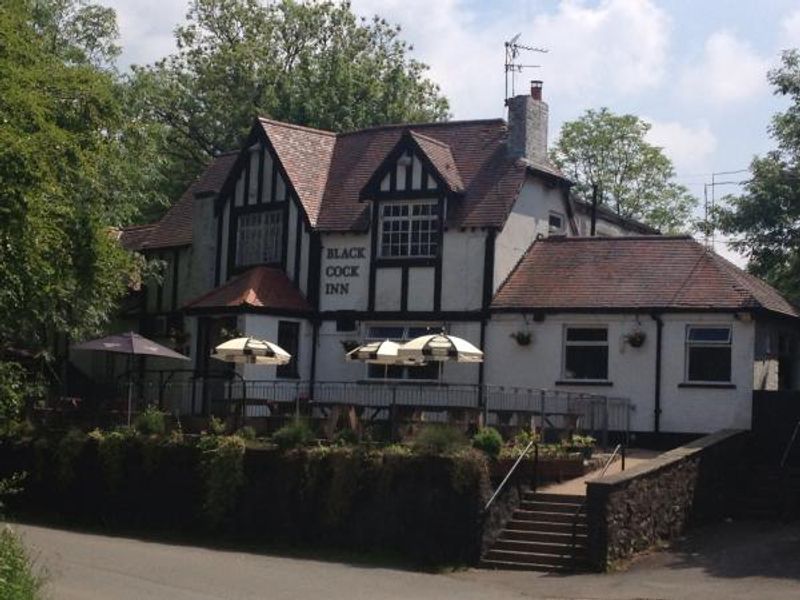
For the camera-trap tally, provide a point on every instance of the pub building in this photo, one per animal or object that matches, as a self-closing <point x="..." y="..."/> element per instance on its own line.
<point x="319" y="241"/>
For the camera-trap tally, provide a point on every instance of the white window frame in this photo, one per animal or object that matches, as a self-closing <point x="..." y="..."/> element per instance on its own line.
<point x="259" y="238"/>
<point x="566" y="343"/>
<point x="405" y="336"/>
<point x="410" y="219"/>
<point x="688" y="344"/>
<point x="552" y="230"/>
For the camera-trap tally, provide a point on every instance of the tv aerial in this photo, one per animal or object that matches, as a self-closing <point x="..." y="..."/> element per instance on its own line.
<point x="513" y="48"/>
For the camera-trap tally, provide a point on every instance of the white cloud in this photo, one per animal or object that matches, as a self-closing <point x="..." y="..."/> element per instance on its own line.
<point x="146" y="28"/>
<point x="613" y="49"/>
<point x="729" y="71"/>
<point x="689" y="147"/>
<point x="790" y="30"/>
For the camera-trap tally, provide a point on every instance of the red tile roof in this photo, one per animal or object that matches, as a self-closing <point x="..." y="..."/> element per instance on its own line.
<point x="174" y="229"/>
<point x="636" y="273"/>
<point x="441" y="157"/>
<point x="259" y="287"/>
<point x="328" y="170"/>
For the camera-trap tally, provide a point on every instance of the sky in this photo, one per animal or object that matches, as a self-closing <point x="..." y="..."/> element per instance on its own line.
<point x="695" y="70"/>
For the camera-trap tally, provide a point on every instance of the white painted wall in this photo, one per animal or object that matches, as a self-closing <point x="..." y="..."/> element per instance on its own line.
<point x="528" y="218"/>
<point x="334" y="246"/>
<point x="266" y="327"/>
<point x="420" y="288"/>
<point x="463" y="254"/>
<point x="388" y="288"/>
<point x="631" y="370"/>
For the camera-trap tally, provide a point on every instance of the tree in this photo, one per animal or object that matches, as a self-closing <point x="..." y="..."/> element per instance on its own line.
<point x="312" y="63"/>
<point x="61" y="270"/>
<point x="765" y="220"/>
<point x="633" y="177"/>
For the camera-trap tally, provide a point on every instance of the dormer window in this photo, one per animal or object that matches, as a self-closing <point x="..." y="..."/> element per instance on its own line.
<point x="409" y="229"/>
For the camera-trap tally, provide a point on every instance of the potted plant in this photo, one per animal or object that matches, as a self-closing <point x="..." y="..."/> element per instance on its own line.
<point x="523" y="338"/>
<point x="584" y="444"/>
<point x="636" y="338"/>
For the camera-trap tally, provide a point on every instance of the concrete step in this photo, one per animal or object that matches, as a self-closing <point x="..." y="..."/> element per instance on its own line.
<point x="534" y="558"/>
<point x="552" y="507"/>
<point x="508" y="565"/>
<point x="567" y="550"/>
<point x="546" y="516"/>
<point x="559" y="498"/>
<point x="545" y="526"/>
<point x="544" y="536"/>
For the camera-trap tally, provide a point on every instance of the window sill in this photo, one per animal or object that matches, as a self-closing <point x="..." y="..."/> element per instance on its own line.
<point x="409" y="261"/>
<point x="719" y="386"/>
<point x="592" y="382"/>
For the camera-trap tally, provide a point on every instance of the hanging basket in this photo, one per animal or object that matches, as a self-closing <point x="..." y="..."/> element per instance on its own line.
<point x="523" y="338"/>
<point x="636" y="339"/>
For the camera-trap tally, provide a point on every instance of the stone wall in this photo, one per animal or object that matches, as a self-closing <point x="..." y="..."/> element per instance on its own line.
<point x="656" y="501"/>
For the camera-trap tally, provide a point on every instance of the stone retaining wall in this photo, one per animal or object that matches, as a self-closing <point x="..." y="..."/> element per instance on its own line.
<point x="656" y="501"/>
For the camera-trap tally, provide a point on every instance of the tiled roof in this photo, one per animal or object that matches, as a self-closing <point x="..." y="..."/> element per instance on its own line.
<point x="259" y="287"/>
<point x="328" y="171"/>
<point x="306" y="155"/>
<point x="174" y="229"/>
<point x="132" y="238"/>
<point x="637" y="273"/>
<point x="441" y="157"/>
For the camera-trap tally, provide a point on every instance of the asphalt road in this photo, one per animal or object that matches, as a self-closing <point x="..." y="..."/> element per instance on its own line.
<point x="726" y="562"/>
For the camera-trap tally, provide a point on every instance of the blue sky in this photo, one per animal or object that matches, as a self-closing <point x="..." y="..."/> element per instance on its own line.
<point x="695" y="70"/>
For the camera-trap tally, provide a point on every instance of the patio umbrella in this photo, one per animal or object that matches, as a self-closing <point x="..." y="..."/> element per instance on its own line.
<point x="440" y="347"/>
<point x="382" y="353"/>
<point x="250" y="350"/>
<point x="132" y="344"/>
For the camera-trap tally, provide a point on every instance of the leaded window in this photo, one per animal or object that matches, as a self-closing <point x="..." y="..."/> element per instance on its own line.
<point x="259" y="238"/>
<point x="409" y="229"/>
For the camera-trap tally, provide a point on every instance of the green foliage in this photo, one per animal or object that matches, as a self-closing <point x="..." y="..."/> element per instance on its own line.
<point x="111" y="449"/>
<point x="312" y="63"/>
<point x="223" y="476"/>
<point x="635" y="179"/>
<point x="438" y="439"/>
<point x="580" y="441"/>
<point x="293" y="435"/>
<point x="70" y="447"/>
<point x="489" y="440"/>
<point x="151" y="421"/>
<point x="10" y="486"/>
<point x="217" y="426"/>
<point x="61" y="272"/>
<point x="247" y="433"/>
<point x="18" y="581"/>
<point x="12" y="390"/>
<point x="764" y="221"/>
<point x="345" y="437"/>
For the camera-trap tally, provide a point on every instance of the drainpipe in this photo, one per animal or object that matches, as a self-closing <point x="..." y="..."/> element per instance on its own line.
<point x="659" y="334"/>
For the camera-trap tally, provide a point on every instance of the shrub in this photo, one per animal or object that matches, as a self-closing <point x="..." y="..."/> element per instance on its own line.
<point x="438" y="439"/>
<point x="222" y="468"/>
<point x="295" y="434"/>
<point x="489" y="440"/>
<point x="217" y="426"/>
<point x="345" y="437"/>
<point x="151" y="421"/>
<point x="69" y="449"/>
<point x="246" y="433"/>
<point x="17" y="578"/>
<point x="111" y="448"/>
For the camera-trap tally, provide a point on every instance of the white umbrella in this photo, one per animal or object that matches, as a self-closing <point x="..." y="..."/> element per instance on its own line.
<point x="381" y="353"/>
<point x="440" y="347"/>
<point x="250" y="350"/>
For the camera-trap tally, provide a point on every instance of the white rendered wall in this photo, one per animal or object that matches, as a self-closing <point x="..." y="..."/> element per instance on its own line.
<point x="463" y="254"/>
<point x="344" y="276"/>
<point x="631" y="370"/>
<point x="528" y="218"/>
<point x="266" y="327"/>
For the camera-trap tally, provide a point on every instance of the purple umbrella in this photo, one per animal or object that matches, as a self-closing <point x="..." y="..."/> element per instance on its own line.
<point x="131" y="344"/>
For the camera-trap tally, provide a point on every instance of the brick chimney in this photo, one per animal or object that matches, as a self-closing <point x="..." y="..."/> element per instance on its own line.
<point x="527" y="125"/>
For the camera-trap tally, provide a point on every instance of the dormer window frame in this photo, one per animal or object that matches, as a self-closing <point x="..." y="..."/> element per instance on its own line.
<point x="409" y="229"/>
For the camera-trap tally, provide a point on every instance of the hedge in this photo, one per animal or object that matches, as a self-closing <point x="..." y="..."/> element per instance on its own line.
<point x="425" y="508"/>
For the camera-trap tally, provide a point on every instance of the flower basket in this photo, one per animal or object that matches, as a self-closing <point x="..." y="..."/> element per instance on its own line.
<point x="636" y="339"/>
<point x="523" y="338"/>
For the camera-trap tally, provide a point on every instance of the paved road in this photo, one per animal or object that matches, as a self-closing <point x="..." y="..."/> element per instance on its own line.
<point x="727" y="562"/>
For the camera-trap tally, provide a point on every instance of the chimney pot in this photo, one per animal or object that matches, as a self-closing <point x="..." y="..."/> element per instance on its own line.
<point x="536" y="89"/>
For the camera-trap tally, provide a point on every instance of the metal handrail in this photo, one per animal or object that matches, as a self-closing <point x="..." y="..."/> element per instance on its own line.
<point x="583" y="504"/>
<point x="790" y="444"/>
<point x="508" y="475"/>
